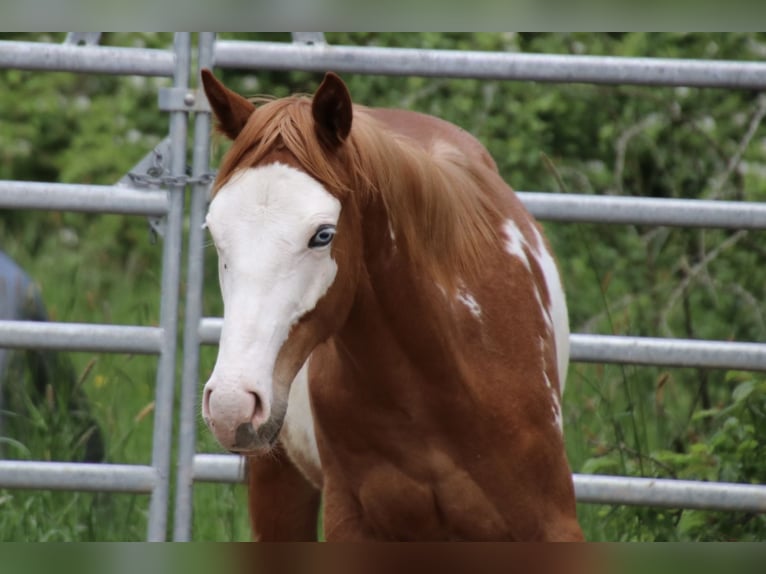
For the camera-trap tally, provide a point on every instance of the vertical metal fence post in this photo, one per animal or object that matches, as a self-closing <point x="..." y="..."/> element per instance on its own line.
<point x="171" y="263"/>
<point x="182" y="523"/>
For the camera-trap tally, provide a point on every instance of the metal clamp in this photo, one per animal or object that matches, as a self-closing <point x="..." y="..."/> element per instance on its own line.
<point x="83" y="38"/>
<point x="151" y="172"/>
<point x="310" y="38"/>
<point x="182" y="100"/>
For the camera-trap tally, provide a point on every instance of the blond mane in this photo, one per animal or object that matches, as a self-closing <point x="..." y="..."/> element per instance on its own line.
<point x="441" y="204"/>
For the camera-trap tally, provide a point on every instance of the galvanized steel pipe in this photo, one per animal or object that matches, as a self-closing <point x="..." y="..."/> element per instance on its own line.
<point x="80" y="337"/>
<point x="544" y="205"/>
<point x="219" y="468"/>
<point x="162" y="436"/>
<point x="490" y="65"/>
<point x="645" y="210"/>
<point x="668" y="352"/>
<point x="89" y="59"/>
<point x="189" y="413"/>
<point x="83" y="198"/>
<point x="210" y="330"/>
<point x="670" y="493"/>
<point x="78" y="476"/>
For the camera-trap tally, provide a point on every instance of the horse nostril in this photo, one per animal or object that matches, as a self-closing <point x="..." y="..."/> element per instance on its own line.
<point x="257" y="414"/>
<point x="206" y="403"/>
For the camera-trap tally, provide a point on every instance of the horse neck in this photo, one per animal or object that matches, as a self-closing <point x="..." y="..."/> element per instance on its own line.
<point x="396" y="305"/>
<point x="441" y="197"/>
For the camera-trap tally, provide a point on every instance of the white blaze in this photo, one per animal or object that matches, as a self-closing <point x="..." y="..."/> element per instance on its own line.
<point x="261" y="222"/>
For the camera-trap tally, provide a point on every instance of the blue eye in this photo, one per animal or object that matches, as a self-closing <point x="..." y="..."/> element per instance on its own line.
<point x="323" y="236"/>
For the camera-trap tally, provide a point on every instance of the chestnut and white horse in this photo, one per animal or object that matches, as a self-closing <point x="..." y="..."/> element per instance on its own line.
<point x="395" y="334"/>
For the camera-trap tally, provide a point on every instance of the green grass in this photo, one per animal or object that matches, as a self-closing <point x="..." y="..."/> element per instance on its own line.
<point x="94" y="278"/>
<point x="647" y="422"/>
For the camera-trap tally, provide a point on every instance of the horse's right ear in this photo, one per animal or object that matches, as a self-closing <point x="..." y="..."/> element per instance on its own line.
<point x="231" y="110"/>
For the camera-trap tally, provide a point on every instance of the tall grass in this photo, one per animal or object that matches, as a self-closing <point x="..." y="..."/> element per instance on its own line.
<point x="92" y="279"/>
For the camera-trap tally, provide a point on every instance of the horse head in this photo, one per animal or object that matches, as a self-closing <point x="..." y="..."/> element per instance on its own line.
<point x="288" y="255"/>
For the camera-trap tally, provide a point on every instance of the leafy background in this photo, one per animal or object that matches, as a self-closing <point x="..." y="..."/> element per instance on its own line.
<point x="637" y="280"/>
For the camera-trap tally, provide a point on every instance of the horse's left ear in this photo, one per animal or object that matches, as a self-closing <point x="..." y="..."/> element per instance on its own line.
<point x="332" y="111"/>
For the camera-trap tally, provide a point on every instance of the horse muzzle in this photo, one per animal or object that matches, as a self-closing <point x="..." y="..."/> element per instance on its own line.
<point x="241" y="420"/>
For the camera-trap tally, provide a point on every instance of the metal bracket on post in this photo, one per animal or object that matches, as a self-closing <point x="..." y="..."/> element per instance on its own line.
<point x="83" y="38"/>
<point x="153" y="172"/>
<point x="147" y="174"/>
<point x="311" y="38"/>
<point x="182" y="100"/>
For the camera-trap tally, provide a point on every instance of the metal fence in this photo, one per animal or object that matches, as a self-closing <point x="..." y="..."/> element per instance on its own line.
<point x="309" y="52"/>
<point x="153" y="479"/>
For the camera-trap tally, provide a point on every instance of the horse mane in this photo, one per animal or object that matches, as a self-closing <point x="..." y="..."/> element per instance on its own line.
<point x="439" y="201"/>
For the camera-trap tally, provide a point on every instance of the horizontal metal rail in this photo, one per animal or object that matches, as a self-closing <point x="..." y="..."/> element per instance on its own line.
<point x="589" y="489"/>
<point x="80" y="337"/>
<point x="548" y="206"/>
<point x="86" y="59"/>
<point x="490" y="65"/>
<point x="218" y="468"/>
<point x="84" y="477"/>
<point x="210" y="330"/>
<point x="628" y="350"/>
<point x="670" y="493"/>
<point x="668" y="352"/>
<point x="644" y="210"/>
<point x="84" y="198"/>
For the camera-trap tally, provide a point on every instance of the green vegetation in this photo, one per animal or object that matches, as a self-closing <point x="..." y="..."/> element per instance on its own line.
<point x="648" y="281"/>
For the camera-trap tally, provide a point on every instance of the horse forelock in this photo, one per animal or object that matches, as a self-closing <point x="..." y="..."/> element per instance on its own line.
<point x="440" y="203"/>
<point x="281" y="125"/>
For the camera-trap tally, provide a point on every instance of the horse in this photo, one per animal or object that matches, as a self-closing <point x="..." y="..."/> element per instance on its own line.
<point x="395" y="332"/>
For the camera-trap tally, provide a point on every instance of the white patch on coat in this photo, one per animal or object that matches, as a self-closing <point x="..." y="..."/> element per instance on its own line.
<point x="261" y="222"/>
<point x="514" y="242"/>
<point x="298" y="436"/>
<point x="555" y="315"/>
<point x="469" y="301"/>
<point x="555" y="403"/>
<point x="557" y="312"/>
<point x="546" y="311"/>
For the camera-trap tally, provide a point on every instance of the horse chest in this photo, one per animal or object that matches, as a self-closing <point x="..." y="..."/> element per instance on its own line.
<point x="445" y="505"/>
<point x="394" y="471"/>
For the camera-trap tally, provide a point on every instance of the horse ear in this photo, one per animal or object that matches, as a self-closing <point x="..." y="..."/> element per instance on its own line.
<point x="231" y="110"/>
<point x="332" y="110"/>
